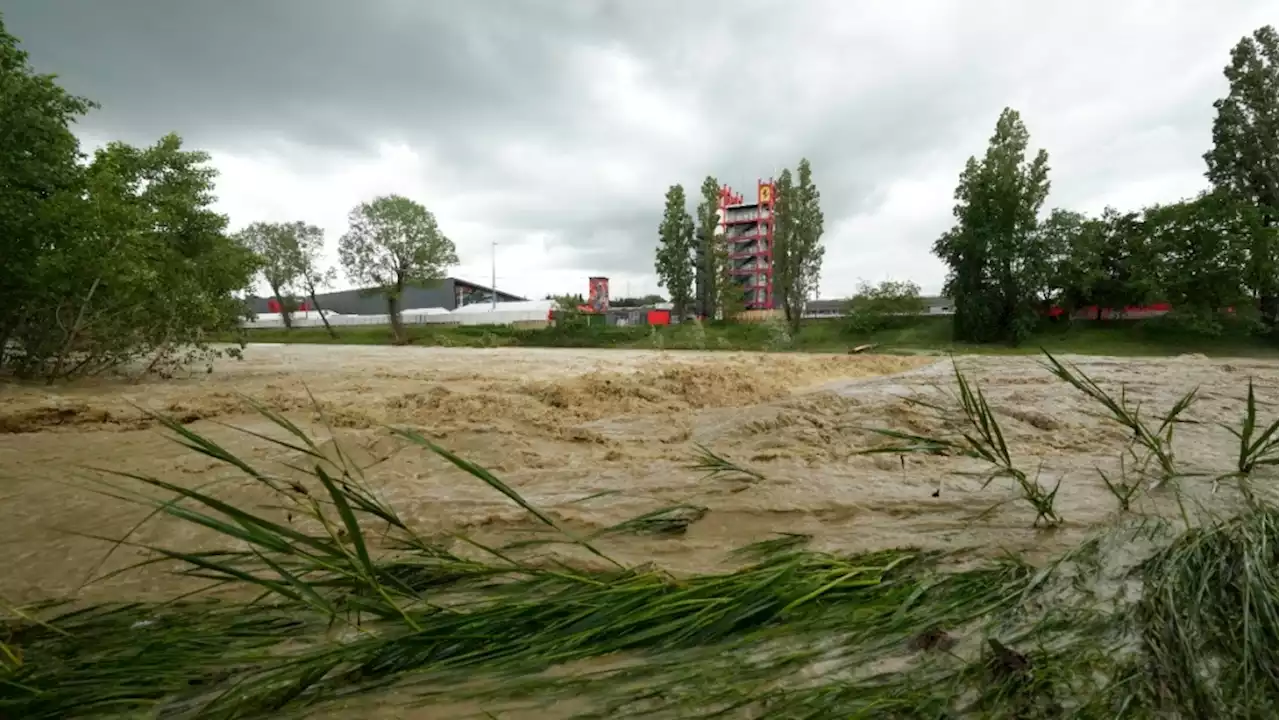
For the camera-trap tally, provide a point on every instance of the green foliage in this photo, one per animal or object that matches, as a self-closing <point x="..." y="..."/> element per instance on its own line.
<point x="892" y="303"/>
<point x="568" y="303"/>
<point x="106" y="263"/>
<point x="312" y="273"/>
<point x="149" y="273"/>
<point x="1202" y="249"/>
<point x="1073" y="256"/>
<point x="995" y="255"/>
<point x="982" y="439"/>
<point x="40" y="179"/>
<point x="1202" y="255"/>
<point x="392" y="242"/>
<point x="797" y="245"/>
<point x="280" y="260"/>
<point x="1243" y="162"/>
<point x="632" y="302"/>
<point x="928" y="334"/>
<point x="709" y="255"/>
<point x="674" y="260"/>
<point x="1106" y="261"/>
<point x="289" y="255"/>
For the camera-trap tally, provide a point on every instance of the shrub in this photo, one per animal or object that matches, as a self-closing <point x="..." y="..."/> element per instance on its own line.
<point x="890" y="304"/>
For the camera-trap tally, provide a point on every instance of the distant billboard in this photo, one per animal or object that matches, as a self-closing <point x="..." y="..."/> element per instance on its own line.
<point x="598" y="294"/>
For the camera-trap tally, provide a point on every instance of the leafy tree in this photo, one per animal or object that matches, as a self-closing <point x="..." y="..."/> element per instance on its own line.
<point x="110" y="262"/>
<point x="1243" y="162"/>
<point x="797" y="247"/>
<point x="41" y="182"/>
<point x="150" y="272"/>
<point x="280" y="259"/>
<point x="709" y="249"/>
<point x="1202" y="254"/>
<point x="313" y="274"/>
<point x="994" y="253"/>
<point x="1071" y="261"/>
<point x="882" y="306"/>
<point x="674" y="261"/>
<point x="1128" y="260"/>
<point x="393" y="242"/>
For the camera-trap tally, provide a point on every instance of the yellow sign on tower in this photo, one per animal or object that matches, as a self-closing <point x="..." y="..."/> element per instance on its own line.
<point x="766" y="194"/>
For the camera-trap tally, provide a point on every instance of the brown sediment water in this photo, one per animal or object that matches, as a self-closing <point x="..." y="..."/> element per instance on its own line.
<point x="561" y="425"/>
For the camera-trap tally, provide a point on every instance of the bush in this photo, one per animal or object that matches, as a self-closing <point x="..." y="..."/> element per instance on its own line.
<point x="891" y="304"/>
<point x="121" y="261"/>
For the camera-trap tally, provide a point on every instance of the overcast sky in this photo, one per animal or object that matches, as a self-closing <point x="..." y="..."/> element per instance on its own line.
<point x="553" y="127"/>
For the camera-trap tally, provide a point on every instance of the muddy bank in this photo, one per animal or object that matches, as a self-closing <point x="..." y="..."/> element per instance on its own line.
<point x="620" y="425"/>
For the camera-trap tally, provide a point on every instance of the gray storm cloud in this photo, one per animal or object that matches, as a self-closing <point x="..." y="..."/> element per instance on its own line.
<point x="570" y="118"/>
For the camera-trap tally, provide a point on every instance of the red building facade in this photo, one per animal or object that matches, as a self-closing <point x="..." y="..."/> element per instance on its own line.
<point x="748" y="230"/>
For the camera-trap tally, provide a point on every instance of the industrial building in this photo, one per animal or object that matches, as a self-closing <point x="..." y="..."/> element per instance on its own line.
<point x="816" y="309"/>
<point x="449" y="293"/>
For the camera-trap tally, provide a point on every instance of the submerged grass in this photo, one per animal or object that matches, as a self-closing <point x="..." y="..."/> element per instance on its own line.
<point x="351" y="600"/>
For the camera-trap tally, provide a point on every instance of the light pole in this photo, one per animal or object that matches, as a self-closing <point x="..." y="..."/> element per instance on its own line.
<point x="493" y="276"/>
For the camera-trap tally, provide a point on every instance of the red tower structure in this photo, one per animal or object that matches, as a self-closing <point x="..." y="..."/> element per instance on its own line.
<point x="747" y="228"/>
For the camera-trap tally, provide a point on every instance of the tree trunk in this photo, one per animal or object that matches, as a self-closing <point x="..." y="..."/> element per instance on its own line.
<point x="393" y="312"/>
<point x="1269" y="309"/>
<point x="1268" y="302"/>
<point x="311" y="292"/>
<point x="285" y="308"/>
<point x="5" y="334"/>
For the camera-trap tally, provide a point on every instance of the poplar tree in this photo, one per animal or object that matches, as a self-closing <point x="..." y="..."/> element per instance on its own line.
<point x="797" y="245"/>
<point x="712" y="254"/>
<point x="1243" y="162"/>
<point x="674" y="257"/>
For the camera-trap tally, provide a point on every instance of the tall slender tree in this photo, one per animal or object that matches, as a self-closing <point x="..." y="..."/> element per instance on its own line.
<point x="674" y="260"/>
<point x="996" y="264"/>
<point x="313" y="273"/>
<point x="785" y="270"/>
<point x="797" y="249"/>
<point x="706" y="255"/>
<point x="808" y="238"/>
<point x="729" y="297"/>
<point x="1244" y="161"/>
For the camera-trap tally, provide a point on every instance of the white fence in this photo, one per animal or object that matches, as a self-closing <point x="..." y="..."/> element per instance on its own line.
<point x="507" y="313"/>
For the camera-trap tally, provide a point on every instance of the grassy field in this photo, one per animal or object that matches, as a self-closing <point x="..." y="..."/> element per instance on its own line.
<point x="926" y="334"/>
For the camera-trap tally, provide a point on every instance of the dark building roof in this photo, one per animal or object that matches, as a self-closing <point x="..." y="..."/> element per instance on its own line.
<point x="825" y="305"/>
<point x="838" y="305"/>
<point x="449" y="293"/>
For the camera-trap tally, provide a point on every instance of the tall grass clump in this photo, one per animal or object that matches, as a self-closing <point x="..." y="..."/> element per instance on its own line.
<point x="398" y="603"/>
<point x="981" y="440"/>
<point x="1157" y="442"/>
<point x="329" y="595"/>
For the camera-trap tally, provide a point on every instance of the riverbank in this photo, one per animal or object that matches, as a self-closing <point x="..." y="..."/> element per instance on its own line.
<point x="922" y="335"/>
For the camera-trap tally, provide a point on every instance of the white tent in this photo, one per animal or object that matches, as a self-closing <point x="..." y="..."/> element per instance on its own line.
<point x="504" y="313"/>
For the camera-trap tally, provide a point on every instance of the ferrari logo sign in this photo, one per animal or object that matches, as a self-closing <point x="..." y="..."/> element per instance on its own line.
<point x="766" y="193"/>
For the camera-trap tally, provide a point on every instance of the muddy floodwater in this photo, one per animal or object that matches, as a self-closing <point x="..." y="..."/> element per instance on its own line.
<point x="619" y="426"/>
